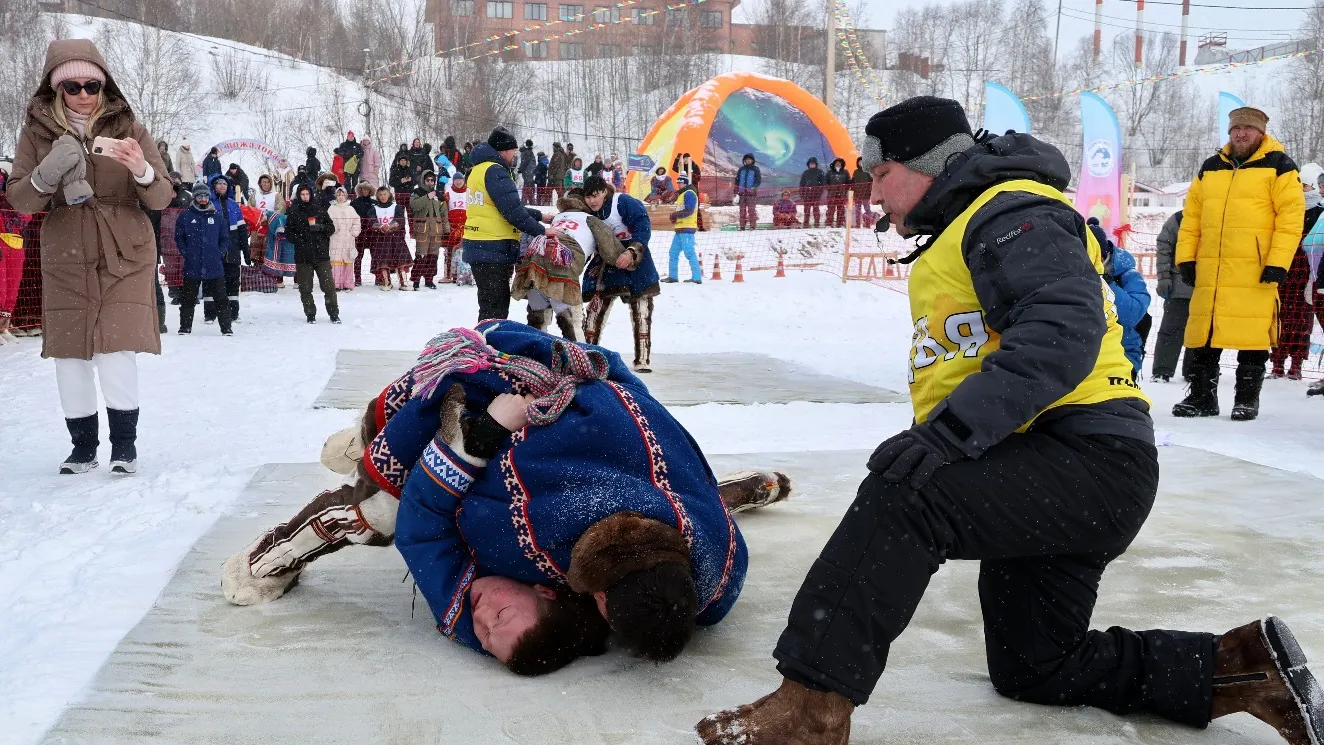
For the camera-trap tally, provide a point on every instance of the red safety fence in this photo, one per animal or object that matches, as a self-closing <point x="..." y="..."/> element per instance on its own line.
<point x="732" y="241"/>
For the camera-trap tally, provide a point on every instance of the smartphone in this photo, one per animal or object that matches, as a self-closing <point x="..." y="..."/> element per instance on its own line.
<point x="103" y="146"/>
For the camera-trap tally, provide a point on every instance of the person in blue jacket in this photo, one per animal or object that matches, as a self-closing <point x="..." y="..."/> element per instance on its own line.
<point x="496" y="219"/>
<point x="686" y="221"/>
<point x="1130" y="294"/>
<point x="227" y="210"/>
<point x="202" y="237"/>
<point x="540" y="497"/>
<point x="631" y="276"/>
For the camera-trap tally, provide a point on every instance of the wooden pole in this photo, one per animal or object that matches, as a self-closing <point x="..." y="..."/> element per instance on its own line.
<point x="845" y="259"/>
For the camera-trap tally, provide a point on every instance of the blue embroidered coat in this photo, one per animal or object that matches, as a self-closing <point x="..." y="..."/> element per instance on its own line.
<point x="615" y="448"/>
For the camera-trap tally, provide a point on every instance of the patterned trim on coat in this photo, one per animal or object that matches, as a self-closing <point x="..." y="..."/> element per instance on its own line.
<point x="393" y="398"/>
<point x="456" y="607"/>
<point x="519" y="513"/>
<point x="450" y="473"/>
<point x="658" y="467"/>
<point x="385" y="470"/>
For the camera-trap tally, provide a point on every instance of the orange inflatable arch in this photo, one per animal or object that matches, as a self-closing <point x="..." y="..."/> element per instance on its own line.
<point x="738" y="113"/>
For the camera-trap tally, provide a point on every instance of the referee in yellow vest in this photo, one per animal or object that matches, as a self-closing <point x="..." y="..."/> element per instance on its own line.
<point x="497" y="217"/>
<point x="1032" y="452"/>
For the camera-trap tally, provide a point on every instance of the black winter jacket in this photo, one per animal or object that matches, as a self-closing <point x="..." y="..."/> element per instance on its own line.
<point x="311" y="242"/>
<point x="1040" y="293"/>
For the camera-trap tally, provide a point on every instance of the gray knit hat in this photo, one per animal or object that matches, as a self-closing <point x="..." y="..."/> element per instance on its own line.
<point x="920" y="133"/>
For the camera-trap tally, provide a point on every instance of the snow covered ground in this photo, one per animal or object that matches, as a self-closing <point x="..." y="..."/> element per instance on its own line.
<point x="83" y="558"/>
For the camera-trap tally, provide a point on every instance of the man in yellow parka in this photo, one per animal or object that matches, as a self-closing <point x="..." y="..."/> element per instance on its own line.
<point x="1243" y="220"/>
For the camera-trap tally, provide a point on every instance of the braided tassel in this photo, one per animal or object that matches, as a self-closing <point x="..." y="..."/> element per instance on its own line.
<point x="463" y="350"/>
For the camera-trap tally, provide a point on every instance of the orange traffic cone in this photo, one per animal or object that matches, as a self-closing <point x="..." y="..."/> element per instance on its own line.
<point x="781" y="266"/>
<point x="740" y="273"/>
<point x="717" y="267"/>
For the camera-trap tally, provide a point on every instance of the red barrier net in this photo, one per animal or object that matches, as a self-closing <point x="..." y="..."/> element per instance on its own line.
<point x="780" y="237"/>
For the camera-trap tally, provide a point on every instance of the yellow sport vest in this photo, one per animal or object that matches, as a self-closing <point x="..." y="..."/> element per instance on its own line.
<point x="691" y="222"/>
<point x="951" y="339"/>
<point x="485" y="222"/>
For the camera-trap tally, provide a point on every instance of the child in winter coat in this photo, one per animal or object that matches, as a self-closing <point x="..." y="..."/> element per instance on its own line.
<point x="838" y="186"/>
<point x="203" y="238"/>
<point x="343" y="242"/>
<point x="783" y="211"/>
<point x="662" y="189"/>
<point x="457" y="212"/>
<point x="386" y="239"/>
<point x="574" y="177"/>
<point x="812" y="182"/>
<point x="1130" y="294"/>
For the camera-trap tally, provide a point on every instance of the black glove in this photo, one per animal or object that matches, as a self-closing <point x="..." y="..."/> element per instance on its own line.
<point x="1272" y="275"/>
<point x="915" y="454"/>
<point x="1187" y="272"/>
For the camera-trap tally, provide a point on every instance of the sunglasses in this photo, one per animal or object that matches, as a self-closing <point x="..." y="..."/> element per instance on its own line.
<point x="73" y="88"/>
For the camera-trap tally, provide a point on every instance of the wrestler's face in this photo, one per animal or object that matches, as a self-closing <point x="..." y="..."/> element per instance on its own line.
<point x="595" y="201"/>
<point x="898" y="190"/>
<point x="503" y="610"/>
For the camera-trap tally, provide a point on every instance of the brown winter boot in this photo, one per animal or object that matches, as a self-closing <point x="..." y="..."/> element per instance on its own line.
<point x="791" y="715"/>
<point x="749" y="489"/>
<point x="1260" y="669"/>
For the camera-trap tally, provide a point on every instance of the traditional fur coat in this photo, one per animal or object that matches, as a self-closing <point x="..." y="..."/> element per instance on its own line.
<point x="524" y="512"/>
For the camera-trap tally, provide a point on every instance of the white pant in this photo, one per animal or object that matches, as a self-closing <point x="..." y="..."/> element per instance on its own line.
<point x="78" y="389"/>
<point x="539" y="301"/>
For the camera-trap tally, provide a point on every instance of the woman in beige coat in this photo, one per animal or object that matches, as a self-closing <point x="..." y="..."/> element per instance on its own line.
<point x="343" y="252"/>
<point x="98" y="252"/>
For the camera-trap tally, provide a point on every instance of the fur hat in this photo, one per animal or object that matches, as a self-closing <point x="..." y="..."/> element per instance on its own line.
<point x="619" y="545"/>
<point x="502" y="140"/>
<point x="920" y="133"/>
<point x="76" y="69"/>
<point x="200" y="190"/>
<point x="1248" y="116"/>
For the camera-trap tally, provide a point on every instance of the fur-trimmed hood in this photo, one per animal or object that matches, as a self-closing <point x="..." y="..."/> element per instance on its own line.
<point x="625" y="543"/>
<point x="572" y="203"/>
<point x="116" y="117"/>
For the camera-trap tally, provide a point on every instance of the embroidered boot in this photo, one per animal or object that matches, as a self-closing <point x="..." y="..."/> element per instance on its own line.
<point x="539" y="319"/>
<point x="571" y="323"/>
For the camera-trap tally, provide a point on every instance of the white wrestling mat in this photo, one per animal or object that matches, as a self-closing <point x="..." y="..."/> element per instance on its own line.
<point x="676" y="380"/>
<point x="342" y="659"/>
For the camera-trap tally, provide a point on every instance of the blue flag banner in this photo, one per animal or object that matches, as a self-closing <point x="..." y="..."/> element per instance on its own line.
<point x="1003" y="110"/>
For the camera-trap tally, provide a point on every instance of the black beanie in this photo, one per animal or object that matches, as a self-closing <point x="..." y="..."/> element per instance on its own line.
<point x="501" y="140"/>
<point x="921" y="133"/>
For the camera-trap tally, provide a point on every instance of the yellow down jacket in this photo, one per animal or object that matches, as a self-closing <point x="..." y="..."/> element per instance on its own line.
<point x="1240" y="218"/>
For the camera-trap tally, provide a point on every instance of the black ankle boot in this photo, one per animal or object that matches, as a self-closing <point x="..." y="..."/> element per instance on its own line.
<point x="1201" y="395"/>
<point x="83" y="432"/>
<point x="1249" y="381"/>
<point x="123" y="436"/>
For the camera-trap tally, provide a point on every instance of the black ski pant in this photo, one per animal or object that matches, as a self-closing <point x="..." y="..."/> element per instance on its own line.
<point x="1170" y="333"/>
<point x="303" y="277"/>
<point x="493" y="281"/>
<point x="232" y="272"/>
<point x="1044" y="514"/>
<point x="188" y="300"/>
<point x="1204" y="360"/>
